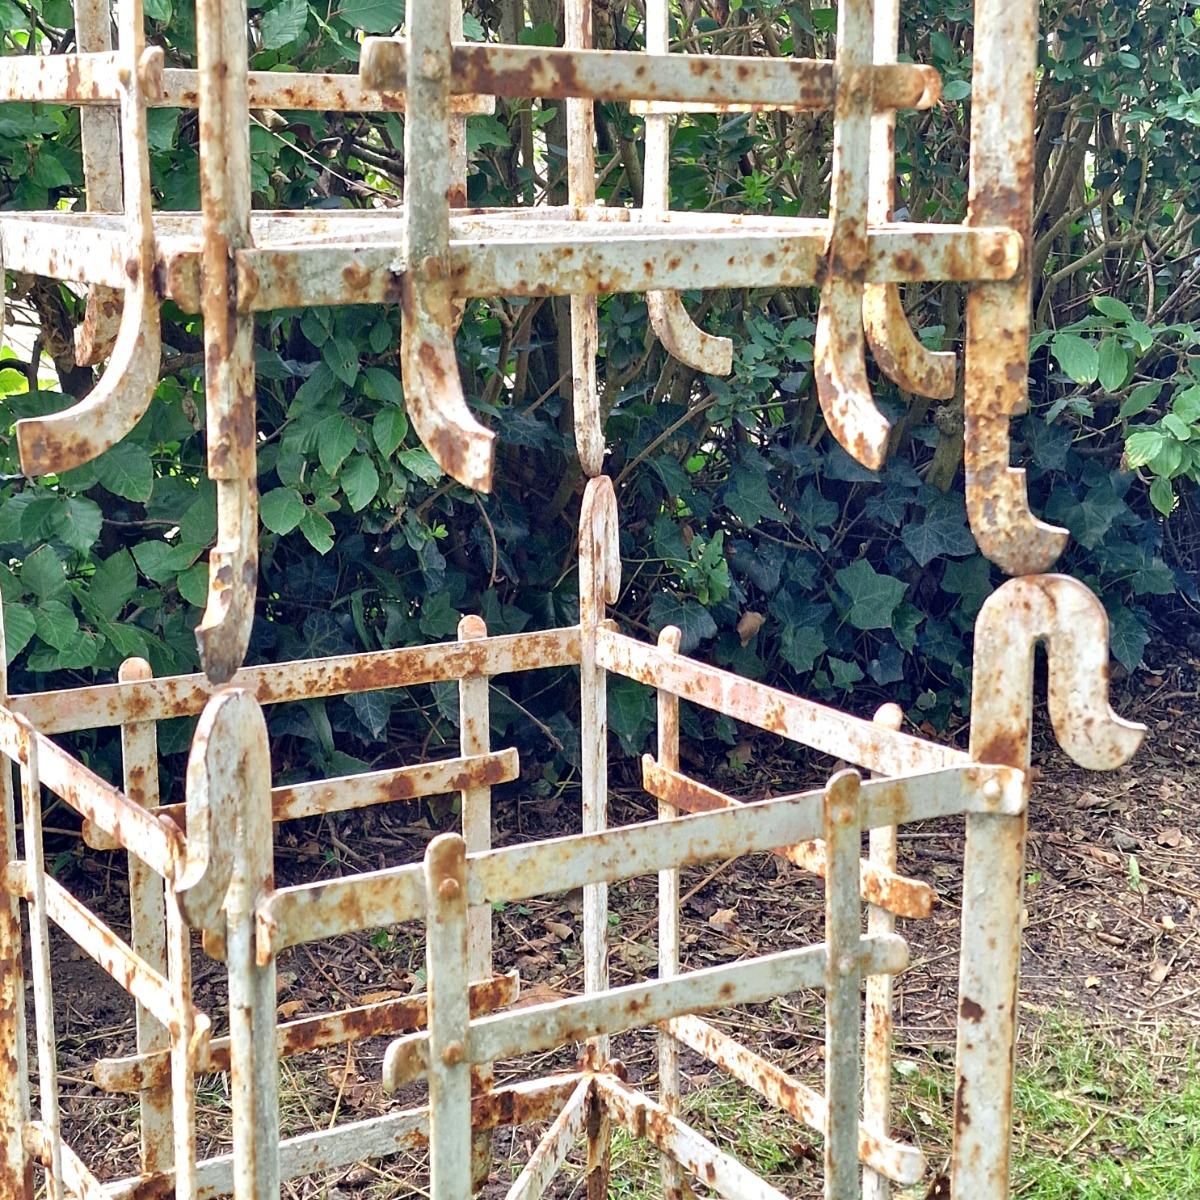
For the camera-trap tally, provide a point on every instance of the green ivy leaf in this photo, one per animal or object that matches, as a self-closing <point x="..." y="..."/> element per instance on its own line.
<point x="43" y="573"/>
<point x="873" y="597"/>
<point x="1113" y="365"/>
<point x="283" y="24"/>
<point x="630" y="712"/>
<point x="695" y="623"/>
<point x="942" y="533"/>
<point x="1141" y="398"/>
<point x="373" y="709"/>
<point x="77" y="522"/>
<point x="389" y="429"/>
<point x="372" y="16"/>
<point x="1077" y="356"/>
<point x="360" y="482"/>
<point x="113" y="583"/>
<point x="1128" y="636"/>
<point x="335" y="440"/>
<point x="19" y="626"/>
<point x="126" y="470"/>
<point x="282" y="510"/>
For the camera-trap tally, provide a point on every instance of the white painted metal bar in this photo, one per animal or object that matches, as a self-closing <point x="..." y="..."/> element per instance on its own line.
<point x="502" y="70"/>
<point x="449" y="1018"/>
<point x="892" y="1159"/>
<point x="76" y="1178"/>
<point x="595" y="1014"/>
<point x="669" y="1092"/>
<point x="695" y="1154"/>
<point x="148" y="935"/>
<point x="877" y="1022"/>
<point x="105" y="704"/>
<point x="804" y="721"/>
<point x="552" y="1150"/>
<point x="39" y="959"/>
<point x="845" y="966"/>
<point x="908" y="897"/>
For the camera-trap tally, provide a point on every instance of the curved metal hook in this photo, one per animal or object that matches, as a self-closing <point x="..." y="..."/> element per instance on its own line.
<point x="223" y="634"/>
<point x="840" y="367"/>
<point x="897" y="350"/>
<point x="62" y="440"/>
<point x="229" y="766"/>
<point x="1067" y="617"/>
<point x="599" y="550"/>
<point x="683" y="339"/>
<point x="433" y="389"/>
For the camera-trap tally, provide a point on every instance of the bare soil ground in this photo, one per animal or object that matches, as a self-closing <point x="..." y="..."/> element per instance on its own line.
<point x="1112" y="939"/>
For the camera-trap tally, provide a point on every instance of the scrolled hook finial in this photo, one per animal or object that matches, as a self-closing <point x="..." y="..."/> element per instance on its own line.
<point x="599" y="549"/>
<point x="229" y="765"/>
<point x="1065" y="615"/>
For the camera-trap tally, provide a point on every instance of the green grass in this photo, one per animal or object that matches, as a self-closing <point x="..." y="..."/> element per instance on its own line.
<point x="1099" y="1114"/>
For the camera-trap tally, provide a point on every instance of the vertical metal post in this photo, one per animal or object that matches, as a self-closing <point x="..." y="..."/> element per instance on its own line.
<point x="101" y="148"/>
<point x="16" y="1169"/>
<point x="843" y="976"/>
<point x="996" y="352"/>
<point x="253" y="1077"/>
<point x="139" y="760"/>
<point x="449" y="1018"/>
<point x="224" y="633"/>
<point x="39" y="958"/>
<point x="599" y="582"/>
<point x="668" y="919"/>
<point x="474" y="731"/>
<point x="877" y="1048"/>
<point x="581" y="193"/>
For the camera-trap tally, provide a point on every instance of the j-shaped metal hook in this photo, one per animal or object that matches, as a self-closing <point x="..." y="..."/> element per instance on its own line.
<point x="229" y="761"/>
<point x="223" y="634"/>
<point x="599" y="550"/>
<point x="683" y="339"/>
<point x="1064" y="615"/>
<point x="433" y="393"/>
<point x="57" y="442"/>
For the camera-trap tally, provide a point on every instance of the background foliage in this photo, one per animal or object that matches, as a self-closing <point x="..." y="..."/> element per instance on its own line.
<point x="742" y="521"/>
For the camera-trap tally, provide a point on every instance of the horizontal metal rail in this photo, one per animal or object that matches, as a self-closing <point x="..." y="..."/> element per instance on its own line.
<point x="312" y="911"/>
<point x="557" y="73"/>
<point x="559" y="1022"/>
<point x="891" y="891"/>
<point x="900" y="1162"/>
<point x="105" y="704"/>
<point x="359" y="1141"/>
<point x="556" y="1144"/>
<point x="386" y="1018"/>
<point x="643" y="1118"/>
<point x="805" y="721"/>
<point x="155" y="840"/>
<point x="291" y="802"/>
<point x="110" y="952"/>
<point x="90" y="78"/>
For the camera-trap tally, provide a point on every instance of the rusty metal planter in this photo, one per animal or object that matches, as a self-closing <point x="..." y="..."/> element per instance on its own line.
<point x="206" y="865"/>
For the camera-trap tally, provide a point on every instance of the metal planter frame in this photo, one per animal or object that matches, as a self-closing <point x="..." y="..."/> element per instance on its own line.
<point x="207" y="864"/>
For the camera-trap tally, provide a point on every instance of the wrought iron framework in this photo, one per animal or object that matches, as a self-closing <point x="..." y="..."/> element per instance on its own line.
<point x="206" y="865"/>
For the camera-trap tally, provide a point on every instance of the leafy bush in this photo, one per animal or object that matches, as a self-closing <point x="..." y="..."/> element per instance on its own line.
<point x="742" y="522"/>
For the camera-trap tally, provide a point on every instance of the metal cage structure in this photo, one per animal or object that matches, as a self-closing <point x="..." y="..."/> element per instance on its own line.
<point x="205" y="866"/>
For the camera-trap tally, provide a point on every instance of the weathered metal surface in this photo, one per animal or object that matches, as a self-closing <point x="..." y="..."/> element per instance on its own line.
<point x="799" y="720"/>
<point x="206" y="865"/>
<point x="881" y="886"/>
<point x="839" y="348"/>
<point x="382" y="1019"/>
<point x="595" y="1014"/>
<point x="556" y="1144"/>
<point x="877" y="1019"/>
<point x="93" y="707"/>
<point x="897" y="351"/>
<point x="894" y="1160"/>
<point x="56" y="443"/>
<point x="290" y="802"/>
<point x="559" y="73"/>
<point x="996" y="355"/>
<point x="695" y="1154"/>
